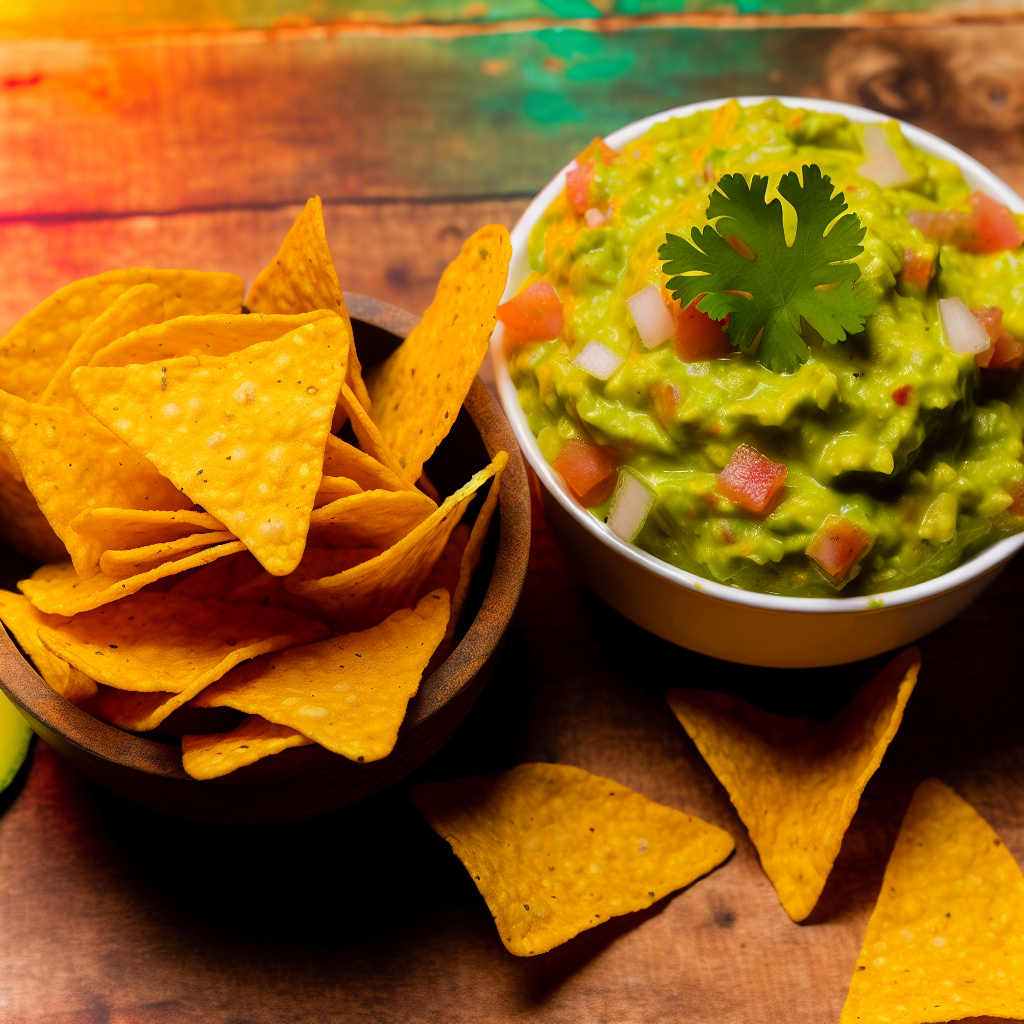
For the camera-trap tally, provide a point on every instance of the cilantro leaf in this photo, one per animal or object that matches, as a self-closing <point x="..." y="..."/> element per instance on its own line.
<point x="766" y="296"/>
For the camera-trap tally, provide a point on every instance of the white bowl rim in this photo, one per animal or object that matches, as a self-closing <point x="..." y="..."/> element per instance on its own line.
<point x="975" y="174"/>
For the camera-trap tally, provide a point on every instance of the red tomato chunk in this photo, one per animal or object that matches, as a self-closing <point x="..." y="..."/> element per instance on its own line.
<point x="587" y="471"/>
<point x="577" y="185"/>
<point x="1005" y="352"/>
<point x="666" y="401"/>
<point x="988" y="228"/>
<point x="750" y="479"/>
<point x="598" y="149"/>
<point x="535" y="314"/>
<point x="917" y="269"/>
<point x="697" y="337"/>
<point x="900" y="395"/>
<point x="837" y="546"/>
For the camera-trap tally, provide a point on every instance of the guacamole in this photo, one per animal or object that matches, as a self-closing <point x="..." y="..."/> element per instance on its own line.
<point x="910" y="447"/>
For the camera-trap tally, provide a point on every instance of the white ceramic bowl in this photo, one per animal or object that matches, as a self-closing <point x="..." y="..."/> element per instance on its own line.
<point x="709" y="617"/>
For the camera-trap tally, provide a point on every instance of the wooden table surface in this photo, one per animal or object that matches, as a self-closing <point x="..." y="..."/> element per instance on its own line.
<point x="197" y="149"/>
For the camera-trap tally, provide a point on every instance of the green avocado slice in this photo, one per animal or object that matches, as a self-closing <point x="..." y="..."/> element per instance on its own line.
<point x="14" y="739"/>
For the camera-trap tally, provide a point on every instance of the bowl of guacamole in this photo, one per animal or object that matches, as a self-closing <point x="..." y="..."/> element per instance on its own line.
<point x="765" y="357"/>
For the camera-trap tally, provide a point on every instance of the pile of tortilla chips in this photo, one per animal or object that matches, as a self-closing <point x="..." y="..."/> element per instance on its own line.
<point x="209" y="539"/>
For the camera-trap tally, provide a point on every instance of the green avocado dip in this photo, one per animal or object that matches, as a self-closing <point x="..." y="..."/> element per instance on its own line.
<point x="803" y="460"/>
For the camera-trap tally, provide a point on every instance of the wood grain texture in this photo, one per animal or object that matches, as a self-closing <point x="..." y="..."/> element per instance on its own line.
<point x="112" y="913"/>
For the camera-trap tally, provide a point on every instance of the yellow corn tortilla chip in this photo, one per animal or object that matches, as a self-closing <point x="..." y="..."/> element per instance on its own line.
<point x="217" y="754"/>
<point x="470" y="558"/>
<point x="370" y="590"/>
<point x="219" y="578"/>
<point x="134" y="528"/>
<point x="349" y="693"/>
<point x="200" y="336"/>
<point x="22" y="524"/>
<point x="370" y="518"/>
<point x="242" y="435"/>
<point x="343" y="459"/>
<point x="418" y="391"/>
<point x="946" y="938"/>
<point x="796" y="783"/>
<point x="301" y="277"/>
<point x="447" y="569"/>
<point x="370" y="439"/>
<point x="121" y="563"/>
<point x="73" y="462"/>
<point x="58" y="590"/>
<point x="169" y="643"/>
<point x="334" y="487"/>
<point x="36" y="346"/>
<point x="555" y="850"/>
<point x="23" y="621"/>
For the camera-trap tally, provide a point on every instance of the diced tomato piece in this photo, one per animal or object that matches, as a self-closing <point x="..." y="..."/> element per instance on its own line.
<point x="587" y="471"/>
<point x="994" y="226"/>
<point x="1005" y="352"/>
<point x="917" y="269"/>
<point x="837" y="546"/>
<point x="697" y="337"/>
<point x="597" y="149"/>
<point x="947" y="227"/>
<point x="750" y="479"/>
<point x="666" y="401"/>
<point x="577" y="185"/>
<point x="991" y="318"/>
<point x="900" y="395"/>
<point x="1017" y="493"/>
<point x="535" y="314"/>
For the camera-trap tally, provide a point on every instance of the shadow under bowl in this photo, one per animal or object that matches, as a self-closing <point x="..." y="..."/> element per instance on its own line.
<point x="306" y="781"/>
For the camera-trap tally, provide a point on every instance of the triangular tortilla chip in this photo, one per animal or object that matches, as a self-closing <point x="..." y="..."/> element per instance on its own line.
<point x="348" y="693"/>
<point x="470" y="558"/>
<point x="121" y="563"/>
<point x="134" y="528"/>
<point x="343" y="459"/>
<point x="370" y="439"/>
<point x="370" y="590"/>
<point x="370" y="518"/>
<point x="946" y="938"/>
<point x="58" y="590"/>
<point x="36" y="346"/>
<point x="301" y="277"/>
<point x="217" y="754"/>
<point x="796" y="783"/>
<point x="219" y="578"/>
<point x="418" y="391"/>
<point x="334" y="487"/>
<point x="72" y="462"/>
<point x="555" y="850"/>
<point x="200" y="336"/>
<point x="168" y="643"/>
<point x="242" y="435"/>
<point x="23" y="621"/>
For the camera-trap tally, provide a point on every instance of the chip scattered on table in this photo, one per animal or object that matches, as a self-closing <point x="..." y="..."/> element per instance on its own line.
<point x="946" y="938"/>
<point x="796" y="783"/>
<point x="555" y="850"/>
<point x="216" y="754"/>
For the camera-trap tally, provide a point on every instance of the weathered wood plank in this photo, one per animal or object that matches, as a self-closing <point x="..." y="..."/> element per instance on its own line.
<point x="215" y="121"/>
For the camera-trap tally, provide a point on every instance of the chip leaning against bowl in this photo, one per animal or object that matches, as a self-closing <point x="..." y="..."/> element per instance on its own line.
<point x="801" y="402"/>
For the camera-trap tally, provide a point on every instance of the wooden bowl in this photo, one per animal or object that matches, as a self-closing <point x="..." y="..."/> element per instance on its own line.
<point x="306" y="781"/>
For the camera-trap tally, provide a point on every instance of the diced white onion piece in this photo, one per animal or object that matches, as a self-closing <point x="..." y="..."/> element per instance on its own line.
<point x="963" y="333"/>
<point x="593" y="217"/>
<point x="651" y="316"/>
<point x="631" y="502"/>
<point x="883" y="166"/>
<point x="598" y="360"/>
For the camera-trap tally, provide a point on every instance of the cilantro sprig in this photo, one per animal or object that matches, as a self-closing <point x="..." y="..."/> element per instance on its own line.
<point x="745" y="271"/>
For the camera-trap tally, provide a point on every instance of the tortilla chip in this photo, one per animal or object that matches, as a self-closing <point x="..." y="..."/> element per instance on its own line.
<point x="200" y="336"/>
<point x="474" y="549"/>
<point x="243" y="435"/>
<point x="796" y="783"/>
<point x="36" y="346"/>
<point x="555" y="850"/>
<point x="370" y="590"/>
<point x="946" y="938"/>
<point x="58" y="590"/>
<point x="418" y="391"/>
<point x="370" y="518"/>
<point x="23" y="621"/>
<point x="447" y="569"/>
<point x="121" y="563"/>
<point x="302" y="277"/>
<point x="219" y="578"/>
<point x="343" y="459"/>
<point x="334" y="487"/>
<point x="370" y="439"/>
<point x="134" y="528"/>
<point x="72" y="462"/>
<point x="168" y="643"/>
<point x="22" y="524"/>
<point x="349" y="693"/>
<point x="216" y="754"/>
